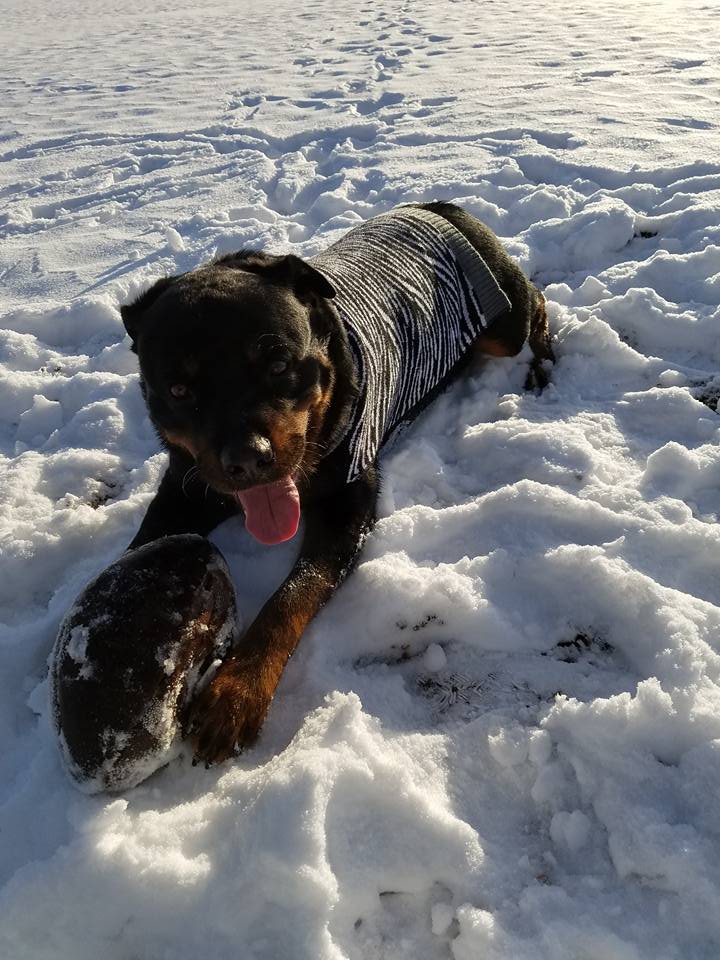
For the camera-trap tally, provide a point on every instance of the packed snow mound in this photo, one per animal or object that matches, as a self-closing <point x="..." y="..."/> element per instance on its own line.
<point x="500" y="738"/>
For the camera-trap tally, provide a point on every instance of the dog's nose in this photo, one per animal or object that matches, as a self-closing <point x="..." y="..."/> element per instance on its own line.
<point x="245" y="461"/>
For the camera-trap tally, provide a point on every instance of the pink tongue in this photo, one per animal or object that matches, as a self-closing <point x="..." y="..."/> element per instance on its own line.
<point x="272" y="510"/>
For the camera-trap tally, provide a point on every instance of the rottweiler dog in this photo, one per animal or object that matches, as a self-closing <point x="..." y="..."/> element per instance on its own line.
<point x="250" y="375"/>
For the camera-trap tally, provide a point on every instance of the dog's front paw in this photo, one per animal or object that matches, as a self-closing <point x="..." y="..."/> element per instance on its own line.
<point x="227" y="715"/>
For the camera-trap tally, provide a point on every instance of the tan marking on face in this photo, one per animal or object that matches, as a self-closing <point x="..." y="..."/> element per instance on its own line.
<point x="310" y="400"/>
<point x="319" y="409"/>
<point x="321" y="401"/>
<point x="318" y="400"/>
<point x="180" y="440"/>
<point x="282" y="430"/>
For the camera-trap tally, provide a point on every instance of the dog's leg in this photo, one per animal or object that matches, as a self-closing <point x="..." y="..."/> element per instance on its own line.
<point x="180" y="507"/>
<point x="539" y="340"/>
<point x="505" y="339"/>
<point x="229" y="712"/>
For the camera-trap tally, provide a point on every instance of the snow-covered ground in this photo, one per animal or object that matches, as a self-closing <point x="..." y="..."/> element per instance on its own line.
<point x="501" y="740"/>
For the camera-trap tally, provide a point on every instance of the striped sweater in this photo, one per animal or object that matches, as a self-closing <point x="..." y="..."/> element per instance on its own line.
<point x="413" y="295"/>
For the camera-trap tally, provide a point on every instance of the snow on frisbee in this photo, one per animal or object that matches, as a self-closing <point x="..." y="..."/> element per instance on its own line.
<point x="128" y="657"/>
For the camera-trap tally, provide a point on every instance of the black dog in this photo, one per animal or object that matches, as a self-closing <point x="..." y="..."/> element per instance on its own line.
<point x="279" y="379"/>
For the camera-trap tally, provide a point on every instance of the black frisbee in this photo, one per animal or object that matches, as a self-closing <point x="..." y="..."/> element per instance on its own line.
<point x="129" y="655"/>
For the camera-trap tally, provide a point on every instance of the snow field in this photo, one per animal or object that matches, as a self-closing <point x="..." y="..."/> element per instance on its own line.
<point x="500" y="739"/>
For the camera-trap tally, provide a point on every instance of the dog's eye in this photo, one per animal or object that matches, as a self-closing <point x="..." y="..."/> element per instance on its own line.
<point x="179" y="391"/>
<point x="277" y="367"/>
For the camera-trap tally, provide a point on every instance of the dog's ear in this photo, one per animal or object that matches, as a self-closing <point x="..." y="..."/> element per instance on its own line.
<point x="289" y="270"/>
<point x="132" y="313"/>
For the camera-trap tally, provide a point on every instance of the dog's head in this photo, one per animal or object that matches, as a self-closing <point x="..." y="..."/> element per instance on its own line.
<point x="236" y="371"/>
